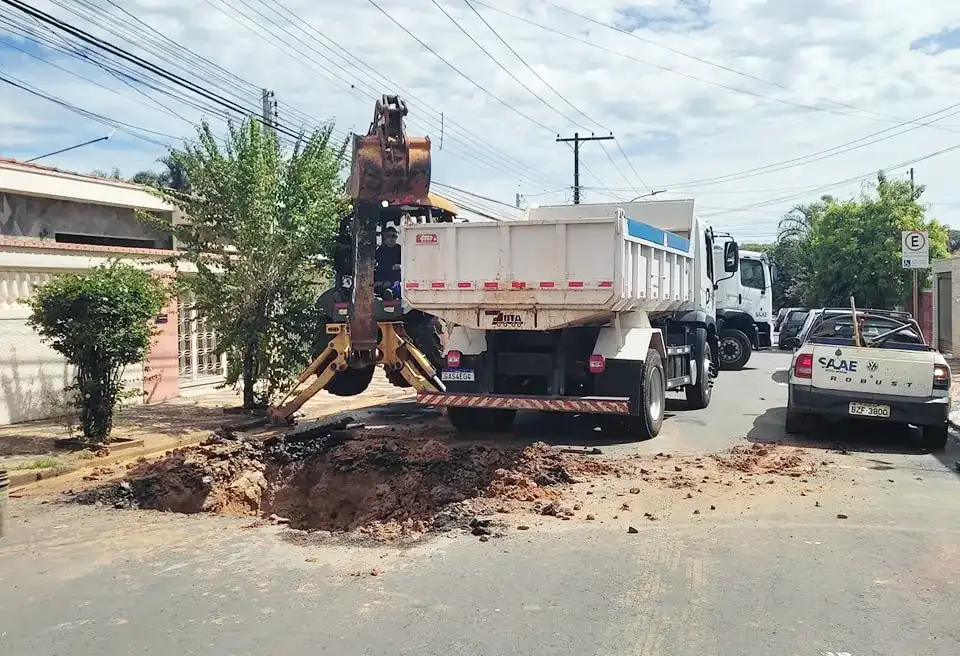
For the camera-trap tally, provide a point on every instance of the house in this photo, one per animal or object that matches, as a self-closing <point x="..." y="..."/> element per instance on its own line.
<point x="53" y="221"/>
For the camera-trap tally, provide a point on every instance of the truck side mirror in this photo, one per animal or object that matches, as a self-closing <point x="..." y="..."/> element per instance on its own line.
<point x="731" y="257"/>
<point x="773" y="273"/>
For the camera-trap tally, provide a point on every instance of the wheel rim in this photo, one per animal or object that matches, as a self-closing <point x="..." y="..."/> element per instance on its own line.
<point x="655" y="393"/>
<point x="730" y="349"/>
<point x="707" y="369"/>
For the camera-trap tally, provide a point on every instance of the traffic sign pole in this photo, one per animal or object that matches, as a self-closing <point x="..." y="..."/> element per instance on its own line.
<point x="916" y="299"/>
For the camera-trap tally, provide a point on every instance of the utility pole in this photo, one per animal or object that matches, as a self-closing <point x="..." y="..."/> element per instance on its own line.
<point x="577" y="140"/>
<point x="916" y="291"/>
<point x="269" y="103"/>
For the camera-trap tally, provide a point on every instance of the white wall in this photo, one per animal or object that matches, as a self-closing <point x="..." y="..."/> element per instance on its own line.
<point x="32" y="375"/>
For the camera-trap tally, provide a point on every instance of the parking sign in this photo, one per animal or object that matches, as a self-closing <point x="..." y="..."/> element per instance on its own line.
<point x="915" y="249"/>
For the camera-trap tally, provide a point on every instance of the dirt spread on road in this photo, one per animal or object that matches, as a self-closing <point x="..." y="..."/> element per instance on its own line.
<point x="389" y="485"/>
<point x="385" y="485"/>
<point x="767" y="459"/>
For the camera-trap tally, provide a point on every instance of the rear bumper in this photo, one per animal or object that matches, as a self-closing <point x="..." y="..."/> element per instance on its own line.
<point x="834" y="404"/>
<point x="596" y="404"/>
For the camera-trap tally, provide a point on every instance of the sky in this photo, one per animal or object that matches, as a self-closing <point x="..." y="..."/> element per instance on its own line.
<point x="748" y="106"/>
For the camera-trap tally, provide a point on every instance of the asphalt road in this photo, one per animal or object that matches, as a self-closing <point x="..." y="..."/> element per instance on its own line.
<point x="778" y="575"/>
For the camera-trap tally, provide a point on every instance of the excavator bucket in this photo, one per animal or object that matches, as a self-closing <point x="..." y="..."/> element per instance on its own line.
<point x="388" y="165"/>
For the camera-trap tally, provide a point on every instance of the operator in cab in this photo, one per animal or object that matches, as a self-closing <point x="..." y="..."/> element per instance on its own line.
<point x="387" y="271"/>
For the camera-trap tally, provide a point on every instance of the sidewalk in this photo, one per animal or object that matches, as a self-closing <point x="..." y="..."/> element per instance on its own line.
<point x="34" y="450"/>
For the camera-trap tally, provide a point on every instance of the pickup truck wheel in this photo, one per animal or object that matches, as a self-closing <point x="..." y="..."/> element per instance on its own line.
<point x="350" y="382"/>
<point x="935" y="437"/>
<point x="735" y="349"/>
<point x="653" y="399"/>
<point x="796" y="423"/>
<point x="477" y="420"/>
<point x="698" y="395"/>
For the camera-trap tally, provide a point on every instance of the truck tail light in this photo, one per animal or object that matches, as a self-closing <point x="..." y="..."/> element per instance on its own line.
<point x="453" y="359"/>
<point x="941" y="377"/>
<point x="597" y="364"/>
<point x="803" y="367"/>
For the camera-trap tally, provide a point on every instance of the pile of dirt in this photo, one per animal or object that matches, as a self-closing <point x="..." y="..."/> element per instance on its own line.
<point x="767" y="459"/>
<point x="377" y="484"/>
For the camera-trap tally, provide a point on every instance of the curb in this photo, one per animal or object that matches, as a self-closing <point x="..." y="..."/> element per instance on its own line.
<point x="20" y="480"/>
<point x="954" y="420"/>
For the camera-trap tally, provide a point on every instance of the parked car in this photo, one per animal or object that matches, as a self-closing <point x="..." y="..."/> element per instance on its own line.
<point x="878" y="367"/>
<point x="790" y="327"/>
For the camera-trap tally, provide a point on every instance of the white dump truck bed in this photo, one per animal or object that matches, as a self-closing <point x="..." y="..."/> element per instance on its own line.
<point x="560" y="266"/>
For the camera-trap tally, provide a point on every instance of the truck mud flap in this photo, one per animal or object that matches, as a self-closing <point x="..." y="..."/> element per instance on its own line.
<point x="599" y="405"/>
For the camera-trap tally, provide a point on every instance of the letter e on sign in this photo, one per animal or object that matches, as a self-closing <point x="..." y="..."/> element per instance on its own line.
<point x="427" y="239"/>
<point x="915" y="249"/>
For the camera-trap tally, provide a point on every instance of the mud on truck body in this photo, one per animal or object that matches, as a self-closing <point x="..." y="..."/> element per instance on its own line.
<point x="591" y="308"/>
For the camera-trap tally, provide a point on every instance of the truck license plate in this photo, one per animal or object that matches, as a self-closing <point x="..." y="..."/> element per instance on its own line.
<point x="868" y="410"/>
<point x="458" y="375"/>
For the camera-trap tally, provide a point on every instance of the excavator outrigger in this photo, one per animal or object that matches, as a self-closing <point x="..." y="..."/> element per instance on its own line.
<point x="387" y="168"/>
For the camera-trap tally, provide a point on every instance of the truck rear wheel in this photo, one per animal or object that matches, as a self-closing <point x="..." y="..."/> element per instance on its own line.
<point x="699" y="394"/>
<point x="735" y="349"/>
<point x="653" y="395"/>
<point x="477" y="420"/>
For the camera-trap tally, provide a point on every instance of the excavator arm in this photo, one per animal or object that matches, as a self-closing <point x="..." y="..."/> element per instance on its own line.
<point x="387" y="168"/>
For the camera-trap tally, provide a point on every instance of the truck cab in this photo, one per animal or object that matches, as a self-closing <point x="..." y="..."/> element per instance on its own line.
<point x="744" y="308"/>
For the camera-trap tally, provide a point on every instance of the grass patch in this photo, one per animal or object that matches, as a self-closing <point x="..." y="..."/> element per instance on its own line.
<point x="44" y="462"/>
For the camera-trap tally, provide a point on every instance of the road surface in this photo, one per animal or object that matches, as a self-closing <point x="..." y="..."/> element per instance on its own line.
<point x="776" y="573"/>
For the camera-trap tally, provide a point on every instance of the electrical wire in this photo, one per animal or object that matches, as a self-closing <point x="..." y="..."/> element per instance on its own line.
<point x="842" y="149"/>
<point x="840" y="183"/>
<point x="666" y="69"/>
<point x="459" y="72"/>
<point x="722" y="67"/>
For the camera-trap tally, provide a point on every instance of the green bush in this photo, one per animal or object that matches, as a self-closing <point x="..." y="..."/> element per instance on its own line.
<point x="100" y="321"/>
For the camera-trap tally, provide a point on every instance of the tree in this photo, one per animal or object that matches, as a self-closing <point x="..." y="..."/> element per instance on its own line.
<point x="173" y="176"/>
<point x="114" y="174"/>
<point x="149" y="178"/>
<point x="852" y="247"/>
<point x="100" y="321"/>
<point x="262" y="222"/>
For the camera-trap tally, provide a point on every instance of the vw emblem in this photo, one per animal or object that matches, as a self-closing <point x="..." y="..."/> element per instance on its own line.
<point x="872" y="366"/>
<point x="838" y="353"/>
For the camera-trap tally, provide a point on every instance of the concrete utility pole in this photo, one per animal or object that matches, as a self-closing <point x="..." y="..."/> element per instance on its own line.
<point x="577" y="140"/>
<point x="916" y="291"/>
<point x="269" y="103"/>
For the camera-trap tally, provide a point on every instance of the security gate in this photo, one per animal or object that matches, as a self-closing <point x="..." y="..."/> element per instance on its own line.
<point x="945" y="313"/>
<point x="198" y="360"/>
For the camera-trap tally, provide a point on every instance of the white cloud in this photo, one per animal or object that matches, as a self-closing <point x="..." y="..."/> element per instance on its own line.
<point x="675" y="128"/>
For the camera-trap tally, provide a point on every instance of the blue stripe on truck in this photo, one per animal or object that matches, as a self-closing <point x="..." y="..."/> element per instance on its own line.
<point x="657" y="236"/>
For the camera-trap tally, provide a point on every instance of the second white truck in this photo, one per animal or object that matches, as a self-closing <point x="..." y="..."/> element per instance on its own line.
<point x="744" y="308"/>
<point x="595" y="308"/>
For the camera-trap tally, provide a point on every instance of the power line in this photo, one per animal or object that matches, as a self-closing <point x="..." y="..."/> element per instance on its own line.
<point x="120" y="125"/>
<point x="843" y="148"/>
<point x="457" y="70"/>
<point x="839" y="183"/>
<point x="497" y="160"/>
<point x="501" y="66"/>
<point x="666" y="69"/>
<point x="722" y="67"/>
<point x="123" y="54"/>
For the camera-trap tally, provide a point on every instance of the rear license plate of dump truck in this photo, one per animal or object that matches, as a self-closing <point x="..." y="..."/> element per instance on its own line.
<point x="464" y="375"/>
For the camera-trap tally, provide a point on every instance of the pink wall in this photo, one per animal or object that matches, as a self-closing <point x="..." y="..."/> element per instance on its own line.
<point x="161" y="372"/>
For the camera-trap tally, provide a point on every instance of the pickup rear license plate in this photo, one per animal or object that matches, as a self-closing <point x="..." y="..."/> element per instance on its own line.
<point x="869" y="410"/>
<point x="466" y="375"/>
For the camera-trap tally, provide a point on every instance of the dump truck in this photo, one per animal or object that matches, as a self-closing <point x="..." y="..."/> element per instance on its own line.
<point x="587" y="308"/>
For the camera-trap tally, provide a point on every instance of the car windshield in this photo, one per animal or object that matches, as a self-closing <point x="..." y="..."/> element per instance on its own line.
<point x="797" y="316"/>
<point x="838" y="329"/>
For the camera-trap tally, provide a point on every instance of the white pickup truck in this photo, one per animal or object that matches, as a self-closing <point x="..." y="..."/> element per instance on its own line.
<point x="879" y="368"/>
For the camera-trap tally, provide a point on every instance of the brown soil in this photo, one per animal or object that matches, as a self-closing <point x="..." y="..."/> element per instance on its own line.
<point x="766" y="459"/>
<point x="380" y="485"/>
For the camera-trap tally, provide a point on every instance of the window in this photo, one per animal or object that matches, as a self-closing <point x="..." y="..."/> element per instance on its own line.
<point x="751" y="274"/>
<point x="103" y="240"/>
<point x="839" y="329"/>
